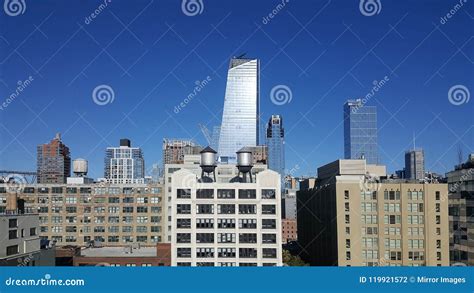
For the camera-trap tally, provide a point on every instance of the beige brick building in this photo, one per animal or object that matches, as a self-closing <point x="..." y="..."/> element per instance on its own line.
<point x="354" y="217"/>
<point x="76" y="214"/>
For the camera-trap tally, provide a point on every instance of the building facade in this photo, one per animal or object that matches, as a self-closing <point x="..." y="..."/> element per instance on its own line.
<point x="415" y="165"/>
<point x="224" y="173"/>
<point x="461" y="213"/>
<point x="360" y="131"/>
<point x="112" y="214"/>
<point x="276" y="145"/>
<point x="53" y="162"/>
<point x="174" y="150"/>
<point x="224" y="223"/>
<point x="124" y="164"/>
<point x="360" y="220"/>
<point x="240" y="118"/>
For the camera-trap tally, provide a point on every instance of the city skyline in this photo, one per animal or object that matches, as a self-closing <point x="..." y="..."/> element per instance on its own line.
<point x="146" y="87"/>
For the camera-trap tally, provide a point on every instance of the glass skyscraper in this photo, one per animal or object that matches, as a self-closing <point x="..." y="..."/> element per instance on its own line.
<point x="240" y="119"/>
<point x="124" y="165"/>
<point x="360" y="131"/>
<point x="275" y="144"/>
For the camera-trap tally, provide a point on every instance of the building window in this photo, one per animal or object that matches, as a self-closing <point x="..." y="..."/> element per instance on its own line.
<point x="268" y="209"/>
<point x="204" y="252"/>
<point x="226" y="209"/>
<point x="247" y="252"/>
<point x="226" y="238"/>
<point x="225" y="193"/>
<point x="346" y="194"/>
<point x="183" y="238"/>
<point x="269" y="253"/>
<point x="205" y="209"/>
<point x="183" y="193"/>
<point x="268" y="238"/>
<point x="11" y="250"/>
<point x="226" y="223"/>
<point x="247" y="209"/>
<point x="247" y="193"/>
<point x="183" y="264"/>
<point x="247" y="238"/>
<point x="226" y="252"/>
<point x="13" y="234"/>
<point x="205" y="193"/>
<point x="183" y="223"/>
<point x="204" y="223"/>
<point x="248" y="223"/>
<point x="183" y="208"/>
<point x="205" y="237"/>
<point x="184" y="252"/>
<point x="437" y="195"/>
<point x="268" y="193"/>
<point x="12" y="223"/>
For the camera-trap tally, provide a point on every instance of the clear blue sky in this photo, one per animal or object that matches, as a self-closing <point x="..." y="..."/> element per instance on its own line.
<point x="151" y="54"/>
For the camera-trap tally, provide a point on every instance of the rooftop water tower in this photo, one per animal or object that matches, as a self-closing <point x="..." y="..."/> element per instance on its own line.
<point x="244" y="163"/>
<point x="208" y="163"/>
<point x="80" y="167"/>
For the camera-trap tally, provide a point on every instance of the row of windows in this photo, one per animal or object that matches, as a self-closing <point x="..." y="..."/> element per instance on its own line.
<point x="90" y="199"/>
<point x="89" y="190"/>
<point x="101" y="210"/>
<point x="227" y="252"/>
<point x="391" y="195"/>
<point x="226" y="223"/>
<point x="225" y="193"/>
<point x="225" y="238"/>
<point x="226" y="209"/>
<point x="100" y="229"/>
<point x="112" y="239"/>
<point x="97" y="219"/>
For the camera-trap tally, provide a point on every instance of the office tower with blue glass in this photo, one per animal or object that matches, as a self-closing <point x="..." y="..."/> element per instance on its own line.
<point x="240" y="118"/>
<point x="124" y="164"/>
<point x="360" y="131"/>
<point x="276" y="145"/>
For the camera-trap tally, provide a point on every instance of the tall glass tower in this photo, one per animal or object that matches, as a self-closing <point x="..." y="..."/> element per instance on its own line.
<point x="240" y="119"/>
<point x="360" y="131"/>
<point x="275" y="144"/>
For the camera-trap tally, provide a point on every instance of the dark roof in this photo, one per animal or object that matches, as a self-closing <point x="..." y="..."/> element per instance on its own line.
<point x="208" y="149"/>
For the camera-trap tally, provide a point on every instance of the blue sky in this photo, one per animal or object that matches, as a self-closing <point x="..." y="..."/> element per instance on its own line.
<point x="151" y="54"/>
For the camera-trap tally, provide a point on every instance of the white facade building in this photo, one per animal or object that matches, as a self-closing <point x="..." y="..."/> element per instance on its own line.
<point x="226" y="223"/>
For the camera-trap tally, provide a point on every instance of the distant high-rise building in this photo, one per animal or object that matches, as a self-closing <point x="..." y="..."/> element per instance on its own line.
<point x="53" y="162"/>
<point x="216" y="131"/>
<point x="174" y="150"/>
<point x="276" y="145"/>
<point x="240" y="119"/>
<point x="415" y="164"/>
<point x="360" y="131"/>
<point x="124" y="164"/>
